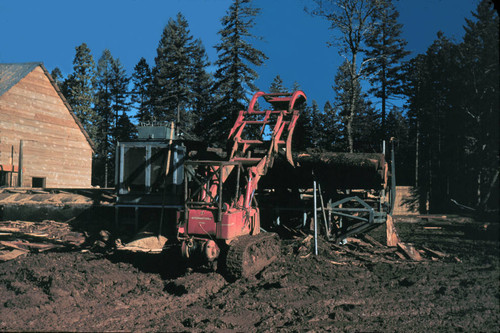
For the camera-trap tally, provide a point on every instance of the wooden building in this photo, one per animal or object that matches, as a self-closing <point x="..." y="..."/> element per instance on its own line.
<point x="41" y="138"/>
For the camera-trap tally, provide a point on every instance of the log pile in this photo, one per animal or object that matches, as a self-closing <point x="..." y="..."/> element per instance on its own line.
<point x="331" y="169"/>
<point x="19" y="238"/>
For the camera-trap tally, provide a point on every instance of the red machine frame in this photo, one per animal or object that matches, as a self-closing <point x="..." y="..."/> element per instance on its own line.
<point x="211" y="213"/>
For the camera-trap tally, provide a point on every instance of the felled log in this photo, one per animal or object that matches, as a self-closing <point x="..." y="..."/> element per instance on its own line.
<point x="371" y="240"/>
<point x="9" y="255"/>
<point x="331" y="169"/>
<point x="28" y="246"/>
<point x="410" y="251"/>
<point x="358" y="241"/>
<point x="435" y="252"/>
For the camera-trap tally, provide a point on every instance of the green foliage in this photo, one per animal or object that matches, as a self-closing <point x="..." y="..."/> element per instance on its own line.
<point x="277" y="85"/>
<point x="57" y="75"/>
<point x="358" y="122"/>
<point x="385" y="51"/>
<point x="480" y="74"/>
<point x="171" y="74"/>
<point x="110" y="108"/>
<point x="234" y="76"/>
<point x="103" y="105"/>
<point x="453" y="100"/>
<point x="79" y="89"/>
<point x="141" y="92"/>
<point x="305" y="136"/>
<point x="201" y="88"/>
<point x="352" y="19"/>
<point x="317" y="134"/>
<point x="181" y="85"/>
<point x="333" y="129"/>
<point x="366" y="127"/>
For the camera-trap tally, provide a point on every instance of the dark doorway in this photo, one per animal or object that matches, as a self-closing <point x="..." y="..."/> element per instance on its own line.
<point x="4" y="178"/>
<point x="38" y="182"/>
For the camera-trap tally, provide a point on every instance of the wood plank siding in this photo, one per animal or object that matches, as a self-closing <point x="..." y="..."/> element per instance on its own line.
<point x="54" y="145"/>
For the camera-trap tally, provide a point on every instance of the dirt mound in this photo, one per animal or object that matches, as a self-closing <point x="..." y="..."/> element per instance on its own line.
<point x="349" y="288"/>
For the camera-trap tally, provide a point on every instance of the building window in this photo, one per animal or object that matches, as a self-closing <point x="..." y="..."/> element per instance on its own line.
<point x="38" y="182"/>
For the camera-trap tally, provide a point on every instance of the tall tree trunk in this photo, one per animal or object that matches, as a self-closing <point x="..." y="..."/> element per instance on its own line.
<point x="384" y="87"/>
<point x="416" y="156"/>
<point x="352" y="103"/>
<point x="106" y="172"/>
<point x="383" y="98"/>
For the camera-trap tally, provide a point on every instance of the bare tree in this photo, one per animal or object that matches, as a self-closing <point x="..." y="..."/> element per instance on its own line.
<point x="352" y="19"/>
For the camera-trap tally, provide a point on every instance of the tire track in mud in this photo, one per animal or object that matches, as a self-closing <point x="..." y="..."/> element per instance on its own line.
<point x="84" y="291"/>
<point x="75" y="291"/>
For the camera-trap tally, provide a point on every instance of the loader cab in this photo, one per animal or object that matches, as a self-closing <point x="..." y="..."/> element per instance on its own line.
<point x="149" y="171"/>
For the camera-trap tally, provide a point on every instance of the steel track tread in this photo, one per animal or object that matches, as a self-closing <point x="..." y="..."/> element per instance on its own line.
<point x="248" y="255"/>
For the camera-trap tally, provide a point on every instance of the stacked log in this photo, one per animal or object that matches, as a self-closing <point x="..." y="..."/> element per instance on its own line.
<point x="331" y="169"/>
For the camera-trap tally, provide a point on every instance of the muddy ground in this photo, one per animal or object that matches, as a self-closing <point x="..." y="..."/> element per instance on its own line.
<point x="355" y="287"/>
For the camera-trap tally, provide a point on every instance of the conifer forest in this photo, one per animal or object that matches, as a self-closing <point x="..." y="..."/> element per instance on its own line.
<point x="441" y="107"/>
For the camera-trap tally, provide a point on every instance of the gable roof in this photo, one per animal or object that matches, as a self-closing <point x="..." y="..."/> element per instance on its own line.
<point x="11" y="74"/>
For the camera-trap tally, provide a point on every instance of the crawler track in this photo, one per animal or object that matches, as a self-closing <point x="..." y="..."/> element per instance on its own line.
<point x="248" y="255"/>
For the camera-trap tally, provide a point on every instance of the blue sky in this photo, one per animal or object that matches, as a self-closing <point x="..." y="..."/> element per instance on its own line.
<point x="295" y="42"/>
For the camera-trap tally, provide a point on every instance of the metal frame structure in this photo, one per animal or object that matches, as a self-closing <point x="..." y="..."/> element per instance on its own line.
<point x="213" y="176"/>
<point x="151" y="192"/>
<point x="209" y="213"/>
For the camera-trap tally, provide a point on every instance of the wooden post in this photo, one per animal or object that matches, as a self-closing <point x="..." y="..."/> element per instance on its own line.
<point x="11" y="163"/>
<point x="167" y="171"/>
<point x="327" y="226"/>
<point x="20" y="166"/>
<point x="315" y="222"/>
<point x="392" y="235"/>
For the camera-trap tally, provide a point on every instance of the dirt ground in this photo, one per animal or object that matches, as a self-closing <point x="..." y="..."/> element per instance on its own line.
<point x="348" y="288"/>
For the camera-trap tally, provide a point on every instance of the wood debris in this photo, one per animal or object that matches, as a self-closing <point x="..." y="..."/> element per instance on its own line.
<point x="358" y="241"/>
<point x="371" y="240"/>
<point x="410" y="251"/>
<point x="370" y="250"/>
<point x="21" y="237"/>
<point x="392" y="235"/>
<point x="13" y="254"/>
<point x="435" y="252"/>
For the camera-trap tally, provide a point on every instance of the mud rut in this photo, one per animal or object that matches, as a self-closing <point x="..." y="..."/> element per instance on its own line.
<point x="336" y="291"/>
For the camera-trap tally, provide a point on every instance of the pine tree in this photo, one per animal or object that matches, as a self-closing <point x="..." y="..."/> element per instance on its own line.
<point x="104" y="114"/>
<point x="345" y="94"/>
<point x="110" y="108"/>
<point x="479" y="54"/>
<point x="397" y="125"/>
<point x="172" y="74"/>
<point x="57" y="76"/>
<point x="200" y="87"/>
<point x="385" y="51"/>
<point x="332" y="124"/>
<point x="79" y="89"/>
<point x="435" y="115"/>
<point x="358" y="129"/>
<point x="453" y="113"/>
<point x="277" y="85"/>
<point x="119" y="91"/>
<point x="234" y="77"/>
<point x="142" y="90"/>
<point x="366" y="128"/>
<point x="316" y="137"/>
